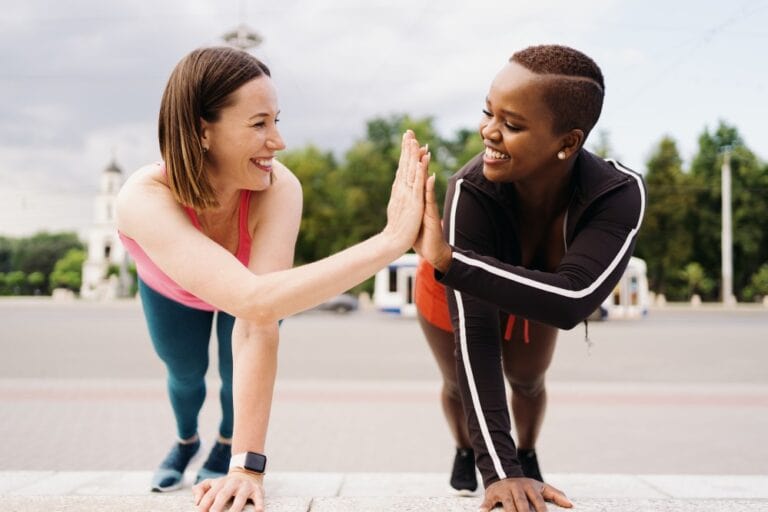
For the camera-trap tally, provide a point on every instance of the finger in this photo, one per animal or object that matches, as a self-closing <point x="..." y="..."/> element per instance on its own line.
<point x="258" y="500"/>
<point x="486" y="505"/>
<point x="421" y="175"/>
<point x="535" y="497"/>
<point x="521" y="500"/>
<point x="509" y="504"/>
<point x="404" y="149"/>
<point x="240" y="500"/>
<point x="413" y="161"/>
<point x="431" y="204"/>
<point x="556" y="496"/>
<point x="205" y="502"/>
<point x="199" y="490"/>
<point x="222" y="498"/>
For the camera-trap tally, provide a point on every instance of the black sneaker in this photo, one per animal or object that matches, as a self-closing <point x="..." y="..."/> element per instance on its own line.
<point x="530" y="464"/>
<point x="170" y="475"/>
<point x="463" y="476"/>
<point x="217" y="464"/>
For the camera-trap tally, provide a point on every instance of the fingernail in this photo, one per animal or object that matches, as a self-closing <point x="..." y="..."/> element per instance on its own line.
<point x="426" y="147"/>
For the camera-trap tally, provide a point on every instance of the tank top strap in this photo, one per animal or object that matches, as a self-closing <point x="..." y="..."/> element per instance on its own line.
<point x="193" y="217"/>
<point x="244" y="235"/>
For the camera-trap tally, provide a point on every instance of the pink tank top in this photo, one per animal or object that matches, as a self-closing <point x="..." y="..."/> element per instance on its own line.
<point x="164" y="285"/>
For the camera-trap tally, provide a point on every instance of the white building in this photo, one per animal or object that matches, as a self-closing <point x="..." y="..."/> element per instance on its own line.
<point x="104" y="247"/>
<point x="394" y="285"/>
<point x="630" y="297"/>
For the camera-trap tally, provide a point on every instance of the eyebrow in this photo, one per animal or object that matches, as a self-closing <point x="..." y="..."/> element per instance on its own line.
<point x="263" y="114"/>
<point x="508" y="112"/>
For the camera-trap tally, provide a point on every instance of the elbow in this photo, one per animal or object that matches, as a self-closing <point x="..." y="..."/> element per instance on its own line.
<point x="256" y="309"/>
<point x="254" y="334"/>
<point x="571" y="314"/>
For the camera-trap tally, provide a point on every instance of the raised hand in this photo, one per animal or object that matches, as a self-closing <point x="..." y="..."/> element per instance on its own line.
<point x="520" y="494"/>
<point x="406" y="201"/>
<point x="430" y="243"/>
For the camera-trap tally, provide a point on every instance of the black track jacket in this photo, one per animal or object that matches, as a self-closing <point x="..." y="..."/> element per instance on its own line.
<point x="484" y="278"/>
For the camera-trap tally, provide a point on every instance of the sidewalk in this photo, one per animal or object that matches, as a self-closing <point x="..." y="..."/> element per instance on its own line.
<point x="97" y="491"/>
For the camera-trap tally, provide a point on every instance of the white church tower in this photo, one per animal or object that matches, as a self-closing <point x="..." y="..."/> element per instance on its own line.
<point x="104" y="247"/>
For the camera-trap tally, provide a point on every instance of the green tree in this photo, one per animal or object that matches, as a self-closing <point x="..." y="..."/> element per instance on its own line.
<point x="67" y="272"/>
<point x="39" y="253"/>
<point x="7" y="249"/>
<point x="758" y="285"/>
<point x="750" y="205"/>
<point x="696" y="280"/>
<point x="15" y="282"/>
<point x="36" y="282"/>
<point x="665" y="241"/>
<point x="323" y="190"/>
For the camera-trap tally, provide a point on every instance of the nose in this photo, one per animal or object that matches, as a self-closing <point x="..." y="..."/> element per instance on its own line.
<point x="275" y="140"/>
<point x="489" y="130"/>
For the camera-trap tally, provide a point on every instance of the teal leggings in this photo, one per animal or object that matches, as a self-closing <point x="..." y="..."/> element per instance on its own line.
<point x="180" y="335"/>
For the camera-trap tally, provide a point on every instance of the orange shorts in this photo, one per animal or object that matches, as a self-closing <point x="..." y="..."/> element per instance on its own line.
<point x="429" y="296"/>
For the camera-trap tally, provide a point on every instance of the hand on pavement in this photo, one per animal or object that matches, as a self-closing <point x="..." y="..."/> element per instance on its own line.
<point x="520" y="494"/>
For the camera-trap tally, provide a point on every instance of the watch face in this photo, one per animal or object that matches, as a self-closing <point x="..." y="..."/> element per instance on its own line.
<point x="255" y="462"/>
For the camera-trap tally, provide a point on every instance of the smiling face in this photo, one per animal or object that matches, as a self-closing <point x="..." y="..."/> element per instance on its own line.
<point x="242" y="143"/>
<point x="517" y="128"/>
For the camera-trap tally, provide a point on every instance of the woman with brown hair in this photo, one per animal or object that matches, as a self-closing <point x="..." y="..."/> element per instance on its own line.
<point x="538" y="231"/>
<point x="212" y="229"/>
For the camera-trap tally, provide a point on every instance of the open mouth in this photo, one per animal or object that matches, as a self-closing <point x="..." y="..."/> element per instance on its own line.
<point x="265" y="164"/>
<point x="492" y="154"/>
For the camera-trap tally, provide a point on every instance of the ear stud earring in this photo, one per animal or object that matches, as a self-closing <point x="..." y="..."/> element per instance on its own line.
<point x="561" y="155"/>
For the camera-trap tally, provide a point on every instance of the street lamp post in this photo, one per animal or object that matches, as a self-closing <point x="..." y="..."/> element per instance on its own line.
<point x="726" y="246"/>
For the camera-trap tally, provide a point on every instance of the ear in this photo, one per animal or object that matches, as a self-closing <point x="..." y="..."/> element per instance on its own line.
<point x="205" y="133"/>
<point x="571" y="142"/>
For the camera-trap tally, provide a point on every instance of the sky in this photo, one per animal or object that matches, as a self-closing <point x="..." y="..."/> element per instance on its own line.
<point x="81" y="80"/>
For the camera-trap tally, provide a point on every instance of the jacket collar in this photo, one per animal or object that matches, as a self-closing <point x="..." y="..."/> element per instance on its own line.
<point x="592" y="177"/>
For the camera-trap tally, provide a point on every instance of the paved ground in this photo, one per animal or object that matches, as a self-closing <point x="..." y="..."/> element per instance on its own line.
<point x="682" y="392"/>
<point x="353" y="492"/>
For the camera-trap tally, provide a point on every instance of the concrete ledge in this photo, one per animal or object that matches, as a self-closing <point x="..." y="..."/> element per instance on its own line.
<point x="97" y="491"/>
<point x="151" y="503"/>
<point x="155" y="503"/>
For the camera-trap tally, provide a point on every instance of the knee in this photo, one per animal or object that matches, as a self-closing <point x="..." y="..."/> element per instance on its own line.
<point x="528" y="387"/>
<point x="190" y="374"/>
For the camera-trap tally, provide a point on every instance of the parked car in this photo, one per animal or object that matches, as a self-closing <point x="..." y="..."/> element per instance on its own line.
<point x="343" y="303"/>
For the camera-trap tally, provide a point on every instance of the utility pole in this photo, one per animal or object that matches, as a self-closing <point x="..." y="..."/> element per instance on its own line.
<point x="726" y="248"/>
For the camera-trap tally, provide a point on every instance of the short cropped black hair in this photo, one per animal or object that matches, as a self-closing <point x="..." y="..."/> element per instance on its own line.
<point x="575" y="92"/>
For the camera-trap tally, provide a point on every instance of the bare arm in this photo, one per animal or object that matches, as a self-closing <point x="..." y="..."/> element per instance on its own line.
<point x="254" y="345"/>
<point x="148" y="214"/>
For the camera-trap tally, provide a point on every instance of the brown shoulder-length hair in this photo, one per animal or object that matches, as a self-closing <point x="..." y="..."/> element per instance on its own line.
<point x="200" y="86"/>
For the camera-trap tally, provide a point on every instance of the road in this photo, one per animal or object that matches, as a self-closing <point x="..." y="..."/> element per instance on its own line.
<point x="681" y="391"/>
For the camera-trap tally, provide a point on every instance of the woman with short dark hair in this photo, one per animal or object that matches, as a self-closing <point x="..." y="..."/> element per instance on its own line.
<point x="539" y="231"/>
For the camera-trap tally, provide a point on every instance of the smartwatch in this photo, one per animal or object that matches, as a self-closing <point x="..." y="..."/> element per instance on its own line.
<point x="250" y="461"/>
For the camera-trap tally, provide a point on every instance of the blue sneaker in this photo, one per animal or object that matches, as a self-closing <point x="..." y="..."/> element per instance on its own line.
<point x="217" y="464"/>
<point x="170" y="475"/>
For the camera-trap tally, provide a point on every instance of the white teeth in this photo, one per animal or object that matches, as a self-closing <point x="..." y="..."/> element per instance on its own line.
<point x="264" y="163"/>
<point x="490" y="153"/>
